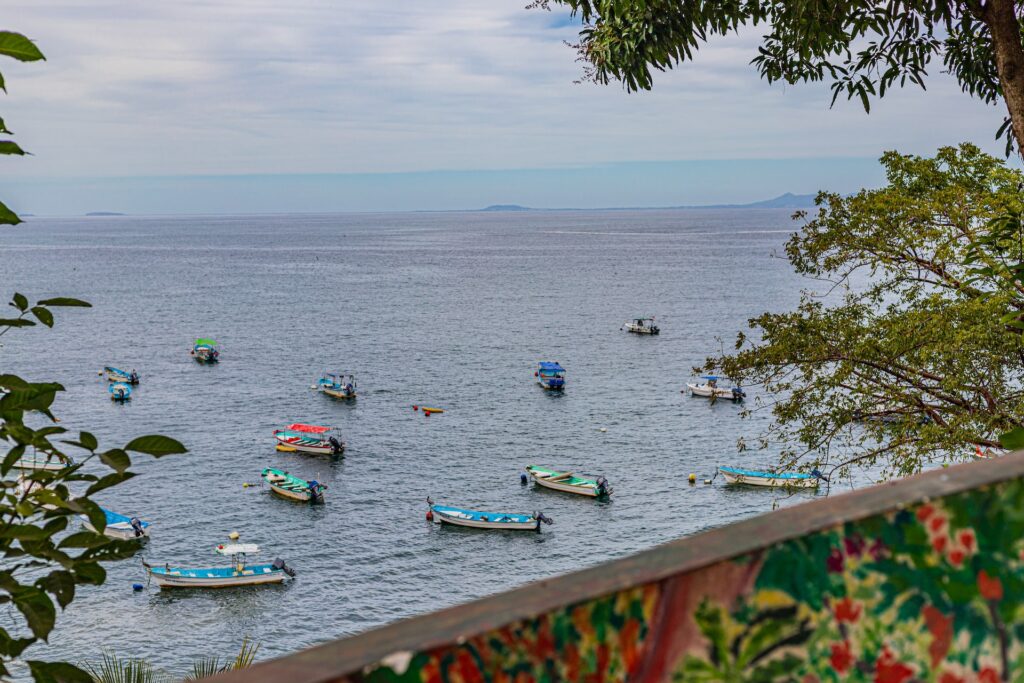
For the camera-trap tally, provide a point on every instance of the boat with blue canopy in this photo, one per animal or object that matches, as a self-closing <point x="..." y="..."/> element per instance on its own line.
<point x="709" y="388"/>
<point x="205" y="350"/>
<point x="239" y="573"/>
<point x="119" y="391"/>
<point x="119" y="526"/>
<point x="337" y="384"/>
<point x="117" y="375"/>
<point x="550" y="375"/>
<point x="477" y="519"/>
<point x="736" y="475"/>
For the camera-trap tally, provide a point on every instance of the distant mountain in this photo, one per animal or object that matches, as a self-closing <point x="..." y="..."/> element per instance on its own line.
<point x="783" y="201"/>
<point x="104" y="213"/>
<point x="507" y="207"/>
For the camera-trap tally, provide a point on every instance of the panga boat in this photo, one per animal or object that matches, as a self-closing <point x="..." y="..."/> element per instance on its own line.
<point x="205" y="351"/>
<point x="310" y="439"/>
<point x="735" y="475"/>
<point x="119" y="391"/>
<point x="238" y="574"/>
<point x="569" y="482"/>
<point x="37" y="461"/>
<point x="118" y="375"/>
<point x="710" y="389"/>
<point x="119" y="526"/>
<point x="642" y="326"/>
<point x="338" y="385"/>
<point x="550" y="376"/>
<point x="486" y="520"/>
<point x="290" y="486"/>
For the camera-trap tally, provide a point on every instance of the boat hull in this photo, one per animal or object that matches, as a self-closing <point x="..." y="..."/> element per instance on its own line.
<point x="121" y="530"/>
<point x="773" y="482"/>
<point x="589" y="491"/>
<point x="338" y="393"/>
<point x="30" y="464"/>
<point x="322" y="449"/>
<point x="291" y="494"/>
<point x="194" y="578"/>
<point x="121" y="377"/>
<point x="455" y="520"/>
<point x="704" y="391"/>
<point x="642" y="330"/>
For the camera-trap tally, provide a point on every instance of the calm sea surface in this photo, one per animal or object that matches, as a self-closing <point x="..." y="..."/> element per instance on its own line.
<point x="446" y="309"/>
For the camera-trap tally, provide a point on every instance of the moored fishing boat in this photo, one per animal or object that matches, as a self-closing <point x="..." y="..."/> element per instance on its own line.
<point x="205" y="350"/>
<point x="642" y="326"/>
<point x="119" y="526"/>
<point x="310" y="439"/>
<point x="477" y="519"/>
<point x="710" y="389"/>
<point x="239" y="573"/>
<point x="38" y="461"/>
<point x="735" y="475"/>
<point x="550" y="375"/>
<point x="117" y="375"/>
<point x="119" y="391"/>
<point x="338" y="385"/>
<point x="293" y="487"/>
<point x="559" y="480"/>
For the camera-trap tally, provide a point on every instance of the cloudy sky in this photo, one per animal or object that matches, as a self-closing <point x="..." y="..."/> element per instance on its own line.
<point x="235" y="105"/>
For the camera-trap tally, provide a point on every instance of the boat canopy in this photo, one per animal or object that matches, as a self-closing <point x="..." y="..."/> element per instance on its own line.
<point x="312" y="429"/>
<point x="205" y="342"/>
<point x="766" y="475"/>
<point x="551" y="367"/>
<point x="711" y="378"/>
<point x="238" y="549"/>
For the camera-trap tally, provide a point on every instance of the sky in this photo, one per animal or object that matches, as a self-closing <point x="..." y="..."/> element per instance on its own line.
<point x="358" y="105"/>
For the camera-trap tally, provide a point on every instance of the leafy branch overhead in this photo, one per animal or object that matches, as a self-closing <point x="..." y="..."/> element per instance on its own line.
<point x="15" y="46"/>
<point x="862" y="48"/>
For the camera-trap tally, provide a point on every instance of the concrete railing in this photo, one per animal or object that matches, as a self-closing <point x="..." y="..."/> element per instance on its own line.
<point x="920" y="579"/>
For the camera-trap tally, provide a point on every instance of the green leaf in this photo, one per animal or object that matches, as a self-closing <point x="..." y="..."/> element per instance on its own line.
<point x="155" y="445"/>
<point x="96" y="516"/>
<point x="7" y="217"/>
<point x="83" y="539"/>
<point x="19" y="47"/>
<point x="20" y="302"/>
<point x="116" y="459"/>
<point x="90" y="573"/>
<point x="11" y="147"/>
<point x="1013" y="439"/>
<point x="60" y="584"/>
<point x="43" y="315"/>
<point x="112" y="479"/>
<point x="65" y="301"/>
<point x="3" y="126"/>
<point x="57" y="672"/>
<point x="12" y="457"/>
<point x="37" y="608"/>
<point x="88" y="441"/>
<point x="15" y="322"/>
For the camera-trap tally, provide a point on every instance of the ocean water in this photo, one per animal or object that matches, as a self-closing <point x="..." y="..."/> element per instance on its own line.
<point x="451" y="310"/>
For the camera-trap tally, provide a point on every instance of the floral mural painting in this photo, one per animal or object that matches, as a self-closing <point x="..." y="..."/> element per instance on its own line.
<point x="932" y="592"/>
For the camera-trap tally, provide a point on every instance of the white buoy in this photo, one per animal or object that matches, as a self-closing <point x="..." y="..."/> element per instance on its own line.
<point x="603" y="429"/>
<point x="707" y="481"/>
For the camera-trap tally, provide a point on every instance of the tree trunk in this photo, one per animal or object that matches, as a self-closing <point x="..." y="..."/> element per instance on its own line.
<point x="1001" y="18"/>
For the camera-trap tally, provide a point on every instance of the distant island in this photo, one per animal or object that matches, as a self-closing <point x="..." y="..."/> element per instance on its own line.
<point x="104" y="213"/>
<point x="783" y="201"/>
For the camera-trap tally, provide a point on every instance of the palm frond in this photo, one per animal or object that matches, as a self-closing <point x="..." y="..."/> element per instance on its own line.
<point x="114" y="669"/>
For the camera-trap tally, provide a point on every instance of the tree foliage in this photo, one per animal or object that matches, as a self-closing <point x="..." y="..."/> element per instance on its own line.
<point x="862" y="48"/>
<point x="909" y="349"/>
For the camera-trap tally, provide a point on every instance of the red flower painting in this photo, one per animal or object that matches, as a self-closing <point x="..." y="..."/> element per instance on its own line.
<point x="847" y="611"/>
<point x="990" y="587"/>
<point x="842" y="657"/>
<point x="888" y="669"/>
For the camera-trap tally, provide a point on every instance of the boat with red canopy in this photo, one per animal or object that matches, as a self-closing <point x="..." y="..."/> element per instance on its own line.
<point x="310" y="439"/>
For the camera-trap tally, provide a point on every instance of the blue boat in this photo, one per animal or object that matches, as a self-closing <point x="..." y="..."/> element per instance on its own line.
<point x="735" y="475"/>
<point x="118" y="375"/>
<point x="239" y="573"/>
<point x="205" y="350"/>
<point x="120" y="526"/>
<point x="550" y="376"/>
<point x="478" y="519"/>
<point x="119" y="391"/>
<point x="337" y="384"/>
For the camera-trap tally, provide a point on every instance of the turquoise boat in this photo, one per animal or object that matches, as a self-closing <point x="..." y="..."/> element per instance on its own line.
<point x="120" y="526"/>
<point x="735" y="475"/>
<point x="290" y="486"/>
<point x="205" y="350"/>
<point x="478" y="519"/>
<point x="551" y="376"/>
<point x="239" y="573"/>
<point x="119" y="391"/>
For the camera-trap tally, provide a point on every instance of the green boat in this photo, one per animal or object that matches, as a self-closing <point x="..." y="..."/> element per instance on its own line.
<point x="558" y="480"/>
<point x="290" y="486"/>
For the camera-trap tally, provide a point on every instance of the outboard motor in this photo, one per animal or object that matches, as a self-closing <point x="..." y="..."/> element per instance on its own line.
<point x="738" y="394"/>
<point x="603" y="489"/>
<point x="336" y="445"/>
<point x="315" y="490"/>
<point x="137" y="526"/>
<point x="541" y="517"/>
<point x="279" y="564"/>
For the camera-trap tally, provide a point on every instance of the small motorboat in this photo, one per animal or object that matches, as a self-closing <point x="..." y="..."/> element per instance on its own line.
<point x="710" y="389"/>
<point x="119" y="391"/>
<point x="551" y="376"/>
<point x="559" y="480"/>
<point x="119" y="526"/>
<point x="445" y="514"/>
<point x="37" y="461"/>
<point x="205" y="350"/>
<point x="428" y="411"/>
<point x="338" y="385"/>
<point x="290" y="486"/>
<point x="118" y="375"/>
<point x="239" y="573"/>
<point x="310" y="439"/>
<point x="642" y="326"/>
<point x="735" y="475"/>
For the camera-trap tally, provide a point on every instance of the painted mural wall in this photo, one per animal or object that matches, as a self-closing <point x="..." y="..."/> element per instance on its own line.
<point x="932" y="592"/>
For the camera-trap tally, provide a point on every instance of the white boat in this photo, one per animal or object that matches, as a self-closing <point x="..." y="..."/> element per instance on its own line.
<point x="735" y="475"/>
<point x="118" y="375"/>
<point x="710" y="389"/>
<point x="119" y="526"/>
<point x="310" y="439"/>
<point x="642" y="326"/>
<point x="477" y="519"/>
<point x="37" y="461"/>
<point x="237" y="574"/>
<point x="338" y="385"/>
<point x="569" y="483"/>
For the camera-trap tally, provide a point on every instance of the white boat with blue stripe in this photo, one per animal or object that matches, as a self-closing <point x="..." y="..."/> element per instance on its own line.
<point x="477" y="519"/>
<point x="238" y="574"/>
<point x="735" y="475"/>
<point x="550" y="375"/>
<point x="120" y="526"/>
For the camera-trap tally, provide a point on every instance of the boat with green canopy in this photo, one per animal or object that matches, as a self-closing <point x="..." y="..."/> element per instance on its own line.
<point x="290" y="486"/>
<point x="569" y="482"/>
<point x="205" y="350"/>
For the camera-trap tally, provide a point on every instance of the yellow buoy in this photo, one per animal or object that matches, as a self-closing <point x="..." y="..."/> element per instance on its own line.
<point x="285" y="449"/>
<point x="693" y="477"/>
<point x="233" y="535"/>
